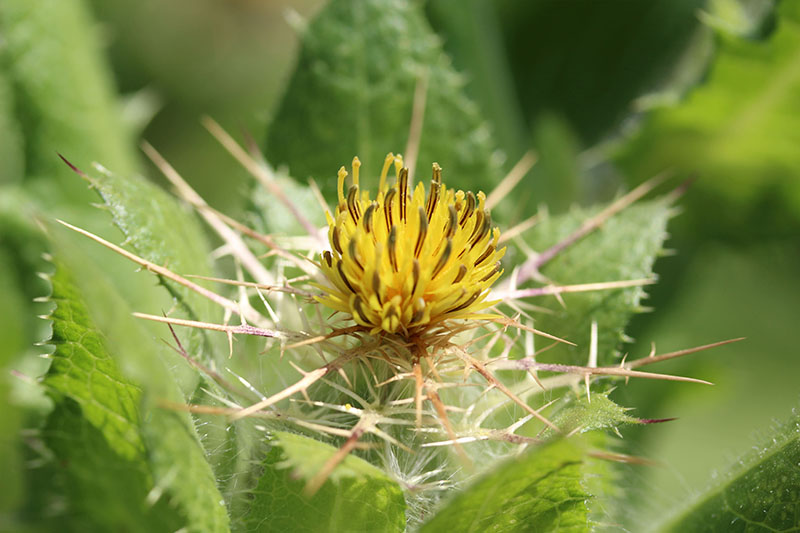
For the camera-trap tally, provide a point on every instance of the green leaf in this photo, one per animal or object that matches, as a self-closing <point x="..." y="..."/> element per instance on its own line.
<point x="13" y="333"/>
<point x="357" y="496"/>
<point x="160" y="230"/>
<point x="181" y="474"/>
<point x="472" y="35"/>
<point x="588" y="65"/>
<point x="352" y="94"/>
<point x="274" y="217"/>
<point x="62" y="94"/>
<point x="94" y="430"/>
<point x="538" y="491"/>
<point x="12" y="157"/>
<point x="738" y="132"/>
<point x="761" y="494"/>
<point x="599" y="413"/>
<point x="624" y="248"/>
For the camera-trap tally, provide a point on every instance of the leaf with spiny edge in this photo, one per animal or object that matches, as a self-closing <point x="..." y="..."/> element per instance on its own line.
<point x="95" y="428"/>
<point x="540" y="490"/>
<point x="581" y="414"/>
<point x="356" y="497"/>
<point x="760" y="493"/>
<point x="160" y="230"/>
<point x="625" y="247"/>
<point x="176" y="465"/>
<point x="352" y="93"/>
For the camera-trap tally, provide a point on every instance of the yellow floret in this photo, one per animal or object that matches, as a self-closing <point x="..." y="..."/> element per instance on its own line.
<point x="407" y="261"/>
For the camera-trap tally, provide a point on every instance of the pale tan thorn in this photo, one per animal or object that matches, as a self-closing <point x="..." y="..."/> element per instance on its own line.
<point x="418" y="384"/>
<point x="319" y="479"/>
<point x="161" y="271"/>
<point x="261" y="172"/>
<point x="276" y="288"/>
<point x="231" y="238"/>
<point x="574" y="432"/>
<point x="532" y="266"/>
<point x="306" y="381"/>
<point x="266" y="240"/>
<point x="311" y="340"/>
<point x="415" y="128"/>
<point x="535" y="375"/>
<point x="622" y="365"/>
<point x="524" y="364"/>
<point x="391" y="440"/>
<point x="658" y="358"/>
<point x="222" y="382"/>
<point x="460" y="440"/>
<point x="433" y="369"/>
<point x="441" y="412"/>
<point x="201" y="409"/>
<point x="519" y="325"/>
<point x="512" y="179"/>
<point x="315" y="190"/>
<point x="592" y="358"/>
<point x="581" y="287"/>
<point x="489" y="377"/>
<point x="321" y="428"/>
<point x="320" y="338"/>
<point x="560" y="299"/>
<point x="244" y="329"/>
<point x="622" y="458"/>
<point x="519" y="229"/>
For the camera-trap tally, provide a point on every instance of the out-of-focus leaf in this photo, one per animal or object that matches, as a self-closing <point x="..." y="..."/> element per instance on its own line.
<point x="588" y="61"/>
<point x="357" y="496"/>
<point x="24" y="403"/>
<point x="471" y="34"/>
<point x="539" y="491"/>
<point x="725" y="292"/>
<point x="760" y="493"/>
<point x="273" y="217"/>
<point x="738" y="133"/>
<point x="624" y="248"/>
<point x="62" y="95"/>
<point x="352" y="93"/>
<point x="555" y="180"/>
<point x="12" y="330"/>
<point x="12" y="157"/>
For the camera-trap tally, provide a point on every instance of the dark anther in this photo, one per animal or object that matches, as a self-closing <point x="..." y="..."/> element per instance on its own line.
<point x="391" y="243"/>
<point x="443" y="258"/>
<point x="469" y="209"/>
<point x="344" y="278"/>
<point x="423" y="231"/>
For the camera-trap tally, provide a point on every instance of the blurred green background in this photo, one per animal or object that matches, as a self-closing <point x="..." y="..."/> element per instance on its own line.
<point x="609" y="94"/>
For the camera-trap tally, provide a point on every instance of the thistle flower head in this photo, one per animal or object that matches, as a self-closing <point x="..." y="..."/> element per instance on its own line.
<point x="407" y="261"/>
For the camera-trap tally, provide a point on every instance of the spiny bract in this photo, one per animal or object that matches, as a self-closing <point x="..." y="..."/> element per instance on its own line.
<point x="404" y="262"/>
